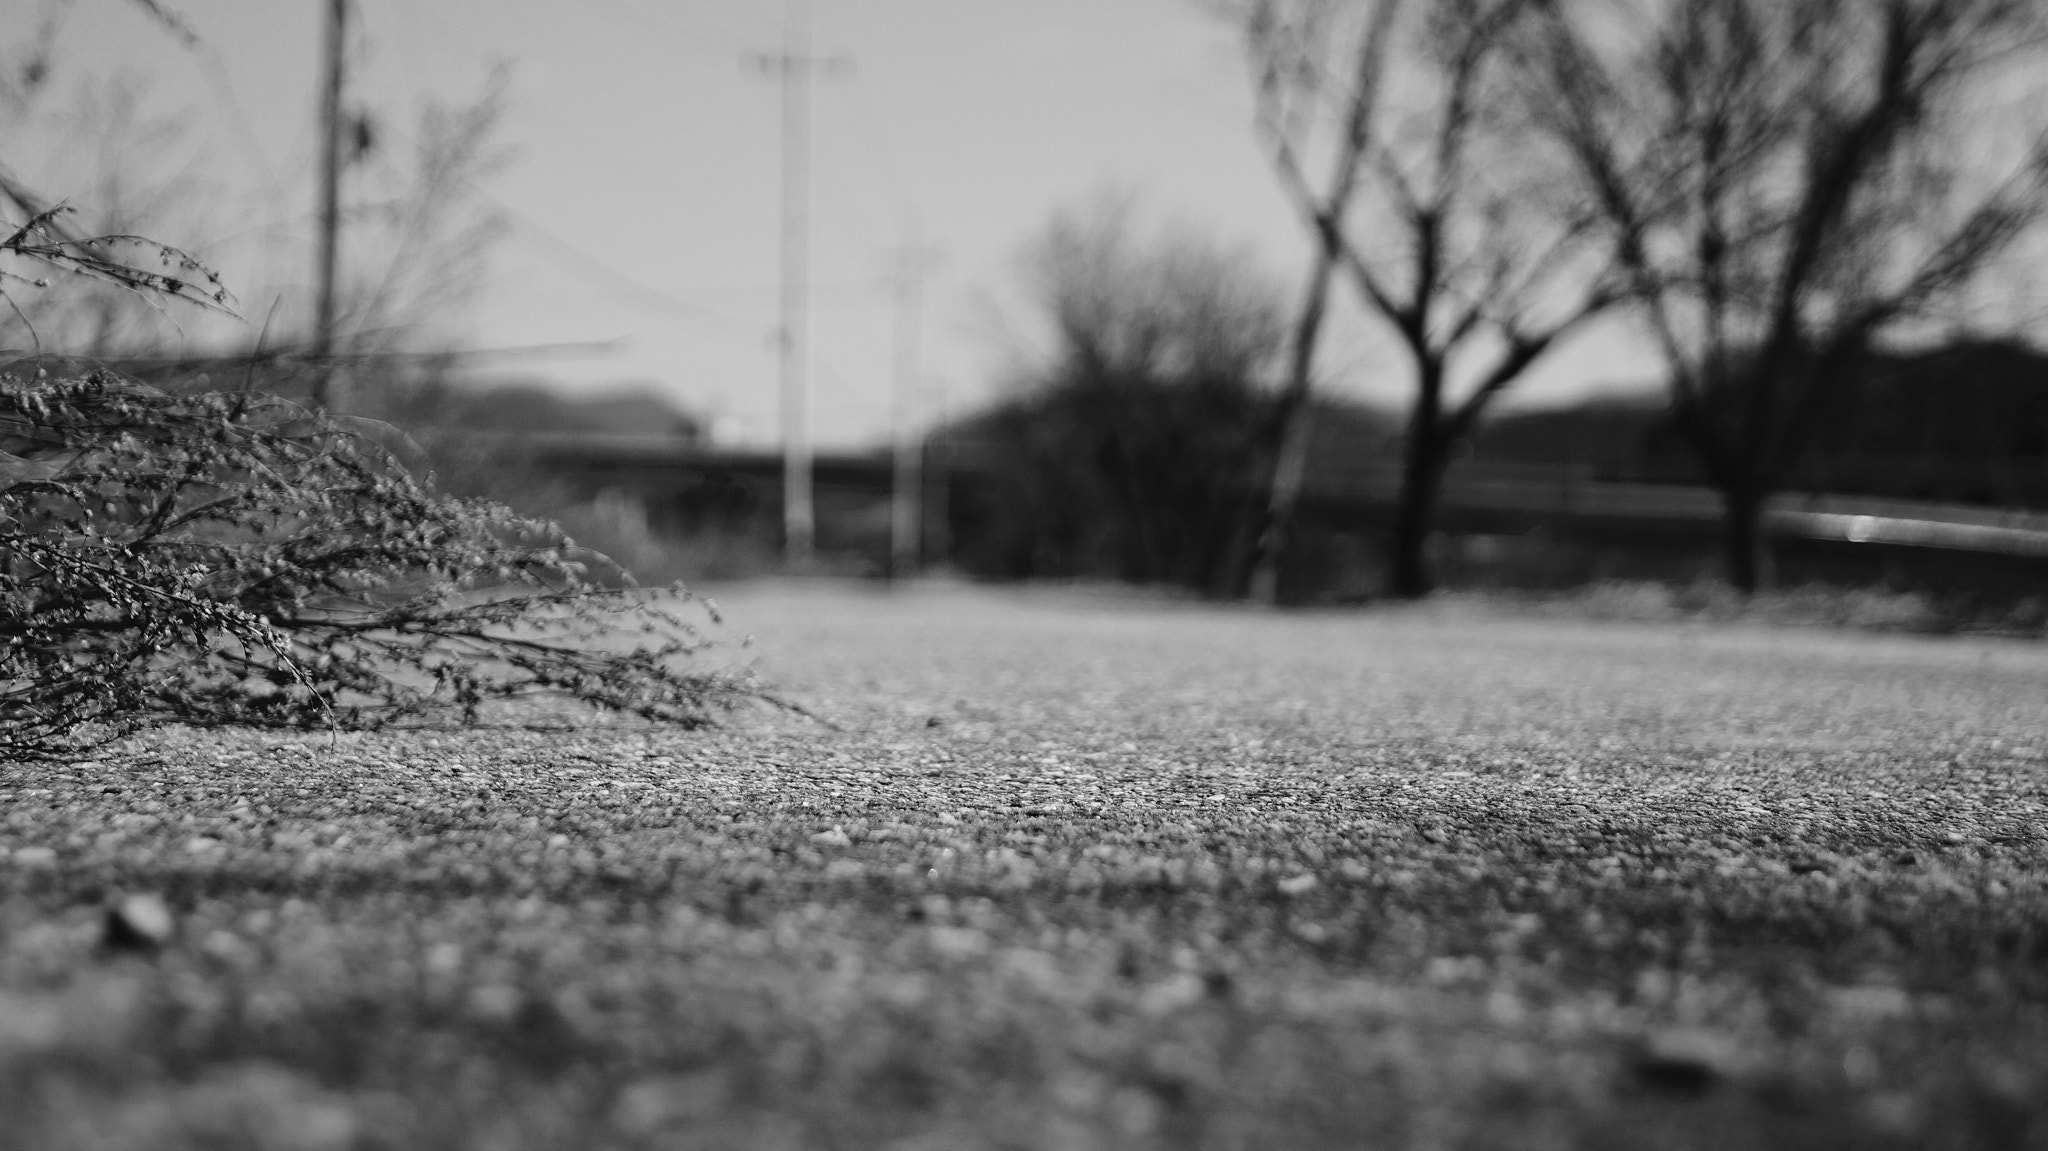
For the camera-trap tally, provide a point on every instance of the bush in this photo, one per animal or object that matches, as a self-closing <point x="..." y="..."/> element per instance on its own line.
<point x="1138" y="445"/>
<point x="1137" y="480"/>
<point x="230" y="557"/>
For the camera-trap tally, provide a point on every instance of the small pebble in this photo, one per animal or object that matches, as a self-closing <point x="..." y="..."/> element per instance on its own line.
<point x="1686" y="1061"/>
<point x="1298" y="884"/>
<point x="138" y="923"/>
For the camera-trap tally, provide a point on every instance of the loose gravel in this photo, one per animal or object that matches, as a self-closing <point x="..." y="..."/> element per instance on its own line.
<point x="1074" y="869"/>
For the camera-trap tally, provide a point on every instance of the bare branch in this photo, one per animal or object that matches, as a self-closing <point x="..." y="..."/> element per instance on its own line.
<point x="1777" y="178"/>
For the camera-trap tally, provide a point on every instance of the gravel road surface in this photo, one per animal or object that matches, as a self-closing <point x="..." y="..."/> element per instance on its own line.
<point x="1076" y="869"/>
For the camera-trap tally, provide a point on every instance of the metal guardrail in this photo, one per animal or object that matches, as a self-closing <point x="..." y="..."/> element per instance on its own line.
<point x="1900" y="531"/>
<point x="1568" y="494"/>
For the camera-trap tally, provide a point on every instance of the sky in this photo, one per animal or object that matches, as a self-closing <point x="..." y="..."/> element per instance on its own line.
<point x="643" y="188"/>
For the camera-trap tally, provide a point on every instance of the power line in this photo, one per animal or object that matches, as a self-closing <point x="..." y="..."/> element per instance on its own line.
<point x="859" y="204"/>
<point x="878" y="152"/>
<point x="626" y="282"/>
<point x="640" y="292"/>
<point x="665" y="18"/>
<point x="230" y="104"/>
<point x="645" y="294"/>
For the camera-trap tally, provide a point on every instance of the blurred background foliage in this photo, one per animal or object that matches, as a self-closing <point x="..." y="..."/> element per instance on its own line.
<point x="1135" y="439"/>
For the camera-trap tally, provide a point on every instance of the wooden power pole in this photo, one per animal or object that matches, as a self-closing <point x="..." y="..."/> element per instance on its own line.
<point x="330" y="201"/>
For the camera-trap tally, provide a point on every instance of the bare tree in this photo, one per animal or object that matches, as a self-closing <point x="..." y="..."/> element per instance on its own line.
<point x="1171" y="304"/>
<point x="1785" y="181"/>
<point x="1394" y="128"/>
<point x="1134" y="439"/>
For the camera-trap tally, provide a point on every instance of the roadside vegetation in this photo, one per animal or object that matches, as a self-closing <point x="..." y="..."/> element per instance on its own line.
<point x="232" y="558"/>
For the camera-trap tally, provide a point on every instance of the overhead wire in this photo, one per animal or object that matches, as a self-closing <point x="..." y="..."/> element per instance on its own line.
<point x="852" y="290"/>
<point x="572" y="256"/>
<point x="569" y="254"/>
<point x="620" y="280"/>
<point x="877" y="149"/>
<point x="230" y="104"/>
<point x="853" y="207"/>
<point x="664" y="18"/>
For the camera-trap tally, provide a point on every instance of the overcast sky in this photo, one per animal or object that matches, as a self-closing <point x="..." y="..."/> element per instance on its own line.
<point x="645" y="182"/>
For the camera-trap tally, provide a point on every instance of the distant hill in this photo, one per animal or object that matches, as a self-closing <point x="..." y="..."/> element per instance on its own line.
<point x="1348" y="434"/>
<point x="1965" y="423"/>
<point x="1980" y="398"/>
<point x="415" y="392"/>
<point x="1626" y="436"/>
<point x="1612" y="436"/>
<point x="524" y="407"/>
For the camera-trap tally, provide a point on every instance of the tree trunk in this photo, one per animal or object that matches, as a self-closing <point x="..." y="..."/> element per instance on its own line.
<point x="1745" y="550"/>
<point x="1422" y="481"/>
<point x="1273" y="523"/>
<point x="1293" y="426"/>
<point x="1232" y="560"/>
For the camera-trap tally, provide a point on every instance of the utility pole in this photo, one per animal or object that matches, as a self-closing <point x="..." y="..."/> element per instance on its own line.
<point x="938" y="495"/>
<point x="906" y="501"/>
<point x="330" y="200"/>
<point x="795" y="65"/>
